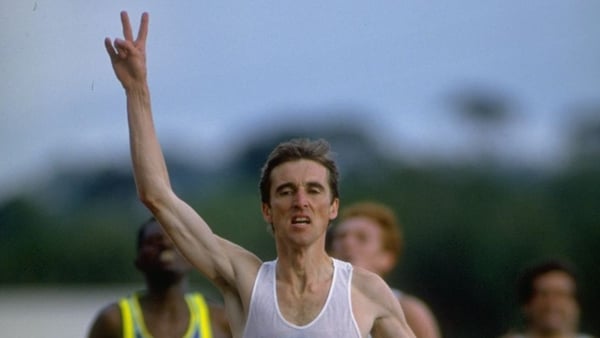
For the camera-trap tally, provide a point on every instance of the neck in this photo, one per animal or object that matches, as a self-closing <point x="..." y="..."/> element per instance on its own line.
<point x="164" y="298"/>
<point x="166" y="285"/>
<point x="301" y="270"/>
<point x="300" y="254"/>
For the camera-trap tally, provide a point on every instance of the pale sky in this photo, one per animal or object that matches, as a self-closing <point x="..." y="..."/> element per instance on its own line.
<point x="222" y="70"/>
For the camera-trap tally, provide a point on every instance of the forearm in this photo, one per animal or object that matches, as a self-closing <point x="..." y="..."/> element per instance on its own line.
<point x="149" y="168"/>
<point x="187" y="229"/>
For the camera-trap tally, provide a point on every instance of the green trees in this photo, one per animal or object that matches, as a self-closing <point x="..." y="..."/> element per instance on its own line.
<point x="468" y="230"/>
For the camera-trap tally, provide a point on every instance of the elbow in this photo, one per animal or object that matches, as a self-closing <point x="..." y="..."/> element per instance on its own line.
<point x="153" y="199"/>
<point x="150" y="201"/>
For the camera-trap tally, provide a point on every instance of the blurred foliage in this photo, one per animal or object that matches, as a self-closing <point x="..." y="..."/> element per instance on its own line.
<point x="468" y="230"/>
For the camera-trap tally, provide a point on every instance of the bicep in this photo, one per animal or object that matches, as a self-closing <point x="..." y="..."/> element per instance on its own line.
<point x="217" y="258"/>
<point x="192" y="236"/>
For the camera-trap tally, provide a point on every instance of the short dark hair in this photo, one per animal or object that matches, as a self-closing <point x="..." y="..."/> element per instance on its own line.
<point x="525" y="290"/>
<point x="142" y="231"/>
<point x="294" y="150"/>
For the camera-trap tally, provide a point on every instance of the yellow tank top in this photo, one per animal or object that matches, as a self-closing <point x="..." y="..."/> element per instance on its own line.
<point x="134" y="326"/>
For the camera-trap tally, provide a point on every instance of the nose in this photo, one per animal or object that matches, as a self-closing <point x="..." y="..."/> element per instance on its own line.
<point x="301" y="199"/>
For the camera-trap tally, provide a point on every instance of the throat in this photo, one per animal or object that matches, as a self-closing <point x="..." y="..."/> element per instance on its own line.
<point x="302" y="293"/>
<point x="300" y="303"/>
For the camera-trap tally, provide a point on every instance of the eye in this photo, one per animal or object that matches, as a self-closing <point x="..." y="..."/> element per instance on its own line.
<point x="285" y="192"/>
<point x="314" y="190"/>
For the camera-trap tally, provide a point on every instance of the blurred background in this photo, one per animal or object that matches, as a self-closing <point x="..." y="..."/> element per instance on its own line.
<point x="479" y="122"/>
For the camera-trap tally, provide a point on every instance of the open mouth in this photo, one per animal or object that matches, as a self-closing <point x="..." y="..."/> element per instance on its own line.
<point x="299" y="220"/>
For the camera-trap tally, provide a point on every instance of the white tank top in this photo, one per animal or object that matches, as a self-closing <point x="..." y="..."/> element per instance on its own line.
<point x="335" y="319"/>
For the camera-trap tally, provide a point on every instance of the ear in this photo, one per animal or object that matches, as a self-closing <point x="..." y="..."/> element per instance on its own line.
<point x="333" y="209"/>
<point x="266" y="212"/>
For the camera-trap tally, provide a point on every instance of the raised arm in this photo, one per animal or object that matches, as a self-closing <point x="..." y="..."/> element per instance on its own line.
<point x="212" y="255"/>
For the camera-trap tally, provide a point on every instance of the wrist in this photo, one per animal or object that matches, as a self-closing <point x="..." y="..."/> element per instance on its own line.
<point x="136" y="89"/>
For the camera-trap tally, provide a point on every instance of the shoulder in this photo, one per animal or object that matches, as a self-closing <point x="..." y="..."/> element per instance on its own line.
<point x="367" y="280"/>
<point x="413" y="305"/>
<point x="245" y="266"/>
<point x="244" y="261"/>
<point x="107" y="322"/>
<point x="373" y="288"/>
<point x="375" y="306"/>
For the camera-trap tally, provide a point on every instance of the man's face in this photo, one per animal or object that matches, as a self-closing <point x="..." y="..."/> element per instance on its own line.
<point x="359" y="241"/>
<point x="553" y="307"/>
<point x="158" y="254"/>
<point x="301" y="204"/>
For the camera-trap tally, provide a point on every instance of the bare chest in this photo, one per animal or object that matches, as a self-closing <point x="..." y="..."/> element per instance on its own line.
<point x="301" y="308"/>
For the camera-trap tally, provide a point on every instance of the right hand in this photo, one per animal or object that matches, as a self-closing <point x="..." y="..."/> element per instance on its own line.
<point x="128" y="56"/>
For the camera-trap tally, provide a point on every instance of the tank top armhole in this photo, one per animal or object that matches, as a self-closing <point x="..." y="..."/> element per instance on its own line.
<point x="350" y="277"/>
<point x="255" y="286"/>
<point x="261" y="269"/>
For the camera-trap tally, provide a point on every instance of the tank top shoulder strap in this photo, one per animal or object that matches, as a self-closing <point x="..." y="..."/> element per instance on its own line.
<point x="132" y="318"/>
<point x="126" y="318"/>
<point x="199" y="316"/>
